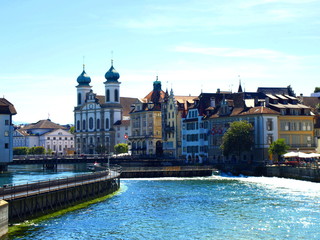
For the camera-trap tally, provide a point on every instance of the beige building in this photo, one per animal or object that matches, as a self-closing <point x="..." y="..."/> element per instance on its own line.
<point x="173" y="109"/>
<point x="146" y="129"/>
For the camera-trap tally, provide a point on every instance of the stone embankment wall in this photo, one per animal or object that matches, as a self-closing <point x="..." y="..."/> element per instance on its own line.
<point x="301" y="173"/>
<point x="3" y="218"/>
<point x="24" y="208"/>
<point x="169" y="171"/>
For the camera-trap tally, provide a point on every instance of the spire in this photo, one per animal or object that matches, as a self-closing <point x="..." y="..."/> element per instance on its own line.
<point x="240" y="88"/>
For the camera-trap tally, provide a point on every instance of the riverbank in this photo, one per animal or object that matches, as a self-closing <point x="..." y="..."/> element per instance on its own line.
<point x="306" y="173"/>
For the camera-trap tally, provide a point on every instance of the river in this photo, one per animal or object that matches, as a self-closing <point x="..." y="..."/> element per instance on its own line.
<point x="216" y="207"/>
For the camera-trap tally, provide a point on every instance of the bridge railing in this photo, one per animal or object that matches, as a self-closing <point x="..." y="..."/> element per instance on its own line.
<point x="49" y="156"/>
<point x="11" y="191"/>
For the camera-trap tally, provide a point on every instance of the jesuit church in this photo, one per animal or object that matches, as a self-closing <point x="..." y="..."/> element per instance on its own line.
<point x="96" y="115"/>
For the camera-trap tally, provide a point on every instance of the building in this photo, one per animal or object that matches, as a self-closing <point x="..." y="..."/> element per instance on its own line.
<point x="231" y="108"/>
<point x="295" y="121"/>
<point x="95" y="115"/>
<point x="7" y="110"/>
<point x="53" y="137"/>
<point x="146" y="125"/>
<point x="173" y="108"/>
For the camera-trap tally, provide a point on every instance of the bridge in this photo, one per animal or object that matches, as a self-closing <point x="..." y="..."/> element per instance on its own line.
<point x="57" y="159"/>
<point x="37" y="198"/>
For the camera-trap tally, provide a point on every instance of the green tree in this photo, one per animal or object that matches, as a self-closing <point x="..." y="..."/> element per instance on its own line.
<point x="20" y="151"/>
<point x="278" y="147"/>
<point x="121" y="148"/>
<point x="49" y="151"/>
<point x="317" y="89"/>
<point x="71" y="130"/>
<point x="237" y="139"/>
<point x="36" y="150"/>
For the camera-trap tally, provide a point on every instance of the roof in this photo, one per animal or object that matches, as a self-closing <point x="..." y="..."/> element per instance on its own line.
<point x="183" y="99"/>
<point x="122" y="123"/>
<point x="149" y="96"/>
<point x="126" y="103"/>
<point x="22" y="132"/>
<point x="289" y="106"/>
<point x="277" y="90"/>
<point x="43" y="124"/>
<point x="259" y="110"/>
<point x="7" y="107"/>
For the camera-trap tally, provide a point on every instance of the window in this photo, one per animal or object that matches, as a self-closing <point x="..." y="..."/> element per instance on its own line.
<point x="91" y="123"/>
<point x="108" y="96"/>
<point x="79" y="98"/>
<point x="116" y="95"/>
<point x="48" y="138"/>
<point x="98" y="123"/>
<point x="107" y="123"/>
<point x="270" y="139"/>
<point x="6" y="145"/>
<point x="269" y="125"/>
<point x="78" y="125"/>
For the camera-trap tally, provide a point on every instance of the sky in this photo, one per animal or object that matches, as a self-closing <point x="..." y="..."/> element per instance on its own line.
<point x="193" y="46"/>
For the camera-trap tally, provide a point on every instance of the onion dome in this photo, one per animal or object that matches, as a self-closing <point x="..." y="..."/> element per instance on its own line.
<point x="157" y="85"/>
<point x="112" y="75"/>
<point x="83" y="79"/>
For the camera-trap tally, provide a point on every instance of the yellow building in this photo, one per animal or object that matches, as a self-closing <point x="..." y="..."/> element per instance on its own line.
<point x="173" y="109"/>
<point x="295" y="122"/>
<point x="298" y="131"/>
<point x="146" y="129"/>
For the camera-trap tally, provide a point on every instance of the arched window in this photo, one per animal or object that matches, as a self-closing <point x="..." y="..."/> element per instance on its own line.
<point x="108" y="95"/>
<point x="107" y="123"/>
<point x="78" y="125"/>
<point x="98" y="123"/>
<point x="91" y="123"/>
<point x="116" y="95"/>
<point x="79" y="98"/>
<point x="83" y="124"/>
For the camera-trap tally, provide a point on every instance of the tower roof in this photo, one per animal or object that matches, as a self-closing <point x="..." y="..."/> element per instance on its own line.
<point x="83" y="79"/>
<point x="112" y="75"/>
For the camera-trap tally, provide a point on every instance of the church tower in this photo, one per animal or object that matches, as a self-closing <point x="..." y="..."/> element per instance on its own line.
<point x="112" y="85"/>
<point x="83" y="87"/>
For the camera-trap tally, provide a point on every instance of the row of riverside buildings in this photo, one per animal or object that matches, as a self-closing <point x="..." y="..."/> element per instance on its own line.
<point x="189" y="128"/>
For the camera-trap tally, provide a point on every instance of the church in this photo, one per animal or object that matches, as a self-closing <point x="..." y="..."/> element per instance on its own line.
<point x="95" y="115"/>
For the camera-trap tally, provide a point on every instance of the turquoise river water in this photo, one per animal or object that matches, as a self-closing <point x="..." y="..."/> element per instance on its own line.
<point x="215" y="207"/>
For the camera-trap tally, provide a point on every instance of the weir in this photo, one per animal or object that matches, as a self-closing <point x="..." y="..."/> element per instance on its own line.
<point x="35" y="199"/>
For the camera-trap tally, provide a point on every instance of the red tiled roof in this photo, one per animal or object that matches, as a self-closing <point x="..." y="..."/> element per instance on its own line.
<point x="259" y="110"/>
<point x="148" y="97"/>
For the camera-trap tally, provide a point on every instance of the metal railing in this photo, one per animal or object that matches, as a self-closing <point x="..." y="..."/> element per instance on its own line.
<point x="13" y="191"/>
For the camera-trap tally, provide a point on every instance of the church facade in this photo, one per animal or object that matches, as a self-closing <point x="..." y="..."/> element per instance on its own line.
<point x="95" y="115"/>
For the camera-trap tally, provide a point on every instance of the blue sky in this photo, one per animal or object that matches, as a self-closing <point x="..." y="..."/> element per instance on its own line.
<point x="192" y="45"/>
